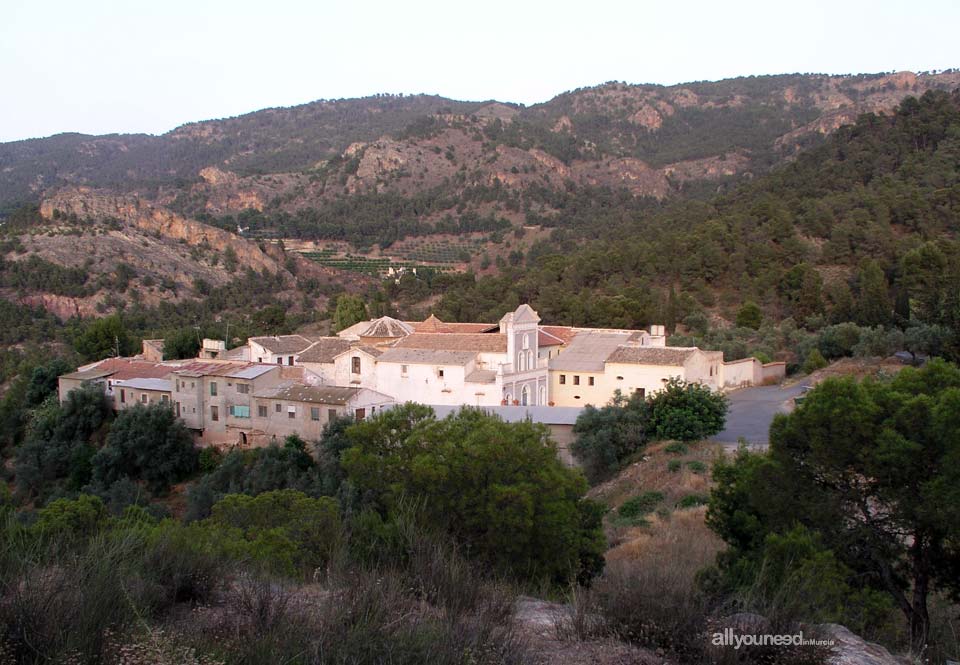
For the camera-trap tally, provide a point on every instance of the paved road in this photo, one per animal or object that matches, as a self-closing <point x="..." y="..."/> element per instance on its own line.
<point x="752" y="411"/>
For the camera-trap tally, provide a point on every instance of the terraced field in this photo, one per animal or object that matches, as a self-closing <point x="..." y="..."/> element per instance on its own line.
<point x="368" y="265"/>
<point x="439" y="251"/>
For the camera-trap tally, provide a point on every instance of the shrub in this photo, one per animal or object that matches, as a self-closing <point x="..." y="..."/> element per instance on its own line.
<point x="677" y="448"/>
<point x="608" y="436"/>
<point x="674" y="465"/>
<point x="147" y="442"/>
<point x="311" y="526"/>
<point x="528" y="518"/>
<point x="687" y="411"/>
<point x="209" y="459"/>
<point x="640" y="505"/>
<point x="692" y="501"/>
<point x="697" y="467"/>
<point x="814" y="361"/>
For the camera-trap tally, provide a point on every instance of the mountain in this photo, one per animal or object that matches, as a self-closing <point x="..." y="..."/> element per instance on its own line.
<point x="650" y="139"/>
<point x="864" y="228"/>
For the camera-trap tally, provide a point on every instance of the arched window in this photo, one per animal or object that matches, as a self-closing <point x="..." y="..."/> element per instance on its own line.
<point x="506" y="397"/>
<point x="530" y="363"/>
<point x="521" y="361"/>
<point x="525" y="396"/>
<point x="526" y="341"/>
<point x="542" y="396"/>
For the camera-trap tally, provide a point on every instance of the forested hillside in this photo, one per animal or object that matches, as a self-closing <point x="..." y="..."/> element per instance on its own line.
<point x="862" y="229"/>
<point x="651" y="139"/>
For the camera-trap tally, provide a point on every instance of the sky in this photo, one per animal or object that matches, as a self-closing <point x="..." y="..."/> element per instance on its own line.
<point x="116" y="66"/>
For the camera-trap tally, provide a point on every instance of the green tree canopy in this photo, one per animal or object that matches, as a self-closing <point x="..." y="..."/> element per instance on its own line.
<point x="872" y="470"/>
<point x="148" y="443"/>
<point x="609" y="435"/>
<point x="687" y="411"/>
<point x="498" y="488"/>
<point x="350" y="310"/>
<point x="103" y="338"/>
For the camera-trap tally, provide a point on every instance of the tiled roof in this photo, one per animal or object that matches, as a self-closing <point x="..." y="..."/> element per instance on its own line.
<point x="283" y="343"/>
<point x="434" y="325"/>
<point x="125" y="368"/>
<point x="477" y="342"/>
<point x="324" y="350"/>
<point x="588" y="351"/>
<point x="651" y="355"/>
<point x="554" y="335"/>
<point x="387" y="326"/>
<point x="481" y="376"/>
<point x="426" y="356"/>
<point x="296" y="392"/>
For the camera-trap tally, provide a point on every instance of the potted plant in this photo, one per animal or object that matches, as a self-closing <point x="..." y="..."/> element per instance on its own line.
<point x="503" y="402"/>
<point x="516" y="402"/>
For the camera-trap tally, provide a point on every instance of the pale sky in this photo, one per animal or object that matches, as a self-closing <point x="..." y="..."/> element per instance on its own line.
<point x="104" y="66"/>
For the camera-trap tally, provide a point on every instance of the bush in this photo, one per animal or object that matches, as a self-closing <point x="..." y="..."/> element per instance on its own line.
<point x="256" y="471"/>
<point x="528" y="518"/>
<point x="697" y="467"/>
<point x="677" y="448"/>
<point x="814" y="361"/>
<point x="149" y="443"/>
<point x="640" y="505"/>
<point x="607" y="437"/>
<point x="674" y="465"/>
<point x="209" y="459"/>
<point x="692" y="501"/>
<point x="312" y="526"/>
<point x="687" y="411"/>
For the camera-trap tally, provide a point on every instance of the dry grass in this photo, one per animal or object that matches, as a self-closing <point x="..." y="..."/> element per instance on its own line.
<point x="651" y="472"/>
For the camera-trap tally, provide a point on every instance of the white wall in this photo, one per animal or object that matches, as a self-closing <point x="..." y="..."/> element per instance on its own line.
<point x="343" y="370"/>
<point x="422" y="384"/>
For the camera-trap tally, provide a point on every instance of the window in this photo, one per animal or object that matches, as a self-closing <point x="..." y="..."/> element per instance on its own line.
<point x="541" y="396"/>
<point x="521" y="362"/>
<point x="213" y="388"/>
<point x="403" y="370"/>
<point x="123" y="396"/>
<point x="214" y="413"/>
<point x="262" y="410"/>
<point x="563" y="379"/>
<point x="277" y="407"/>
<point x="315" y="413"/>
<point x="243" y="388"/>
<point x="291" y="412"/>
<point x="164" y="398"/>
<point x="526" y="341"/>
<point x="576" y="379"/>
<point x="331" y="414"/>
<point x="642" y="392"/>
<point x="590" y="381"/>
<point x="143" y="398"/>
<point x="259" y="360"/>
<point x="176" y="385"/>
<point x="290" y="360"/>
<point x="280" y="360"/>
<point x="240" y="411"/>
<point x="355" y="364"/>
<point x="193" y="384"/>
<point x="440" y="373"/>
<point x="359" y="414"/>
<point x="525" y="396"/>
<point x="176" y="408"/>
